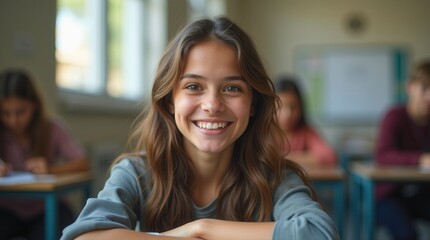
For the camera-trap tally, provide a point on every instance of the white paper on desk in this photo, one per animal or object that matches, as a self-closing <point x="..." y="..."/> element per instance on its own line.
<point x="19" y="177"/>
<point x="424" y="169"/>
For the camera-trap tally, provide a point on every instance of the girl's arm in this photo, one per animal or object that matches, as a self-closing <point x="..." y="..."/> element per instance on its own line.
<point x="67" y="148"/>
<point x="313" y="150"/>
<point x="322" y="152"/>
<point x="39" y="165"/>
<point x="116" y="209"/>
<point x="220" y="229"/>
<point x="296" y="216"/>
<point x="116" y="234"/>
<point x="5" y="168"/>
<point x="77" y="165"/>
<point x="388" y="149"/>
<point x="303" y="158"/>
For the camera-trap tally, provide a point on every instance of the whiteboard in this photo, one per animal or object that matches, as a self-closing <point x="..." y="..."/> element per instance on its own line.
<point x="355" y="84"/>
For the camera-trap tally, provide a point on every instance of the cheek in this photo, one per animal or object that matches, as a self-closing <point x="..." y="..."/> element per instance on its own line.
<point x="26" y="119"/>
<point x="295" y="114"/>
<point x="242" y="108"/>
<point x="183" y="106"/>
<point x="284" y="114"/>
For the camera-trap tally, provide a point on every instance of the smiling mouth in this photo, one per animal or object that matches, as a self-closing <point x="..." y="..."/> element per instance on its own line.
<point x="211" y="125"/>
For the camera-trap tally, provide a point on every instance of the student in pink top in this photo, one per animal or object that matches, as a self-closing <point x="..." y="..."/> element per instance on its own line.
<point x="31" y="141"/>
<point x="304" y="144"/>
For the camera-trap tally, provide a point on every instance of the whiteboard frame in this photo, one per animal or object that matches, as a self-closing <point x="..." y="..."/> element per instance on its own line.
<point x="321" y="70"/>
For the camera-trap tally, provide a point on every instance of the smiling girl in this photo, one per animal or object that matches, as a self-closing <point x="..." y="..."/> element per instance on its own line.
<point x="211" y="167"/>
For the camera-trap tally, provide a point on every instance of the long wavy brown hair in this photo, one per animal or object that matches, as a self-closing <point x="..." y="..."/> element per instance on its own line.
<point x="18" y="83"/>
<point x="257" y="165"/>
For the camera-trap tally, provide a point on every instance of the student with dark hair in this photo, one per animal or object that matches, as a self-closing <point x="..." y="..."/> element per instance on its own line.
<point x="211" y="167"/>
<point x="404" y="140"/>
<point x="304" y="144"/>
<point x="31" y="141"/>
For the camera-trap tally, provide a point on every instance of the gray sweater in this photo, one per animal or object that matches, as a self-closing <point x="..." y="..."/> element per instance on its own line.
<point x="119" y="205"/>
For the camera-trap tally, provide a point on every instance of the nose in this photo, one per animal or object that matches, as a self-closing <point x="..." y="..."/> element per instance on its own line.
<point x="213" y="103"/>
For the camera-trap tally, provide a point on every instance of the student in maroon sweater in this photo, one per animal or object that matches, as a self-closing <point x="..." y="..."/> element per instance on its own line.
<point x="404" y="139"/>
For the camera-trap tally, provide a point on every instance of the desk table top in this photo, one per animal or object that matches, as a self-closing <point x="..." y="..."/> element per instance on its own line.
<point x="56" y="182"/>
<point x="325" y="173"/>
<point x="390" y="173"/>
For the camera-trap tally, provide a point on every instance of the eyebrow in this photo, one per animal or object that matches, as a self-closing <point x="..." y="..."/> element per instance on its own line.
<point x="196" y="76"/>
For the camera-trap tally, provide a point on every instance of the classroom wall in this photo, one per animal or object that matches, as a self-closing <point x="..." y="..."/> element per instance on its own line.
<point x="279" y="27"/>
<point x="27" y="39"/>
<point x="27" y="30"/>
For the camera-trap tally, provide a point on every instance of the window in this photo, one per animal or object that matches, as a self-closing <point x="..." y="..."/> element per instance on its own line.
<point x="107" y="51"/>
<point x="205" y="8"/>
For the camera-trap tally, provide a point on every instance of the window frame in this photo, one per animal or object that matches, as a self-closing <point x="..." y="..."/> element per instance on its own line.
<point x="153" y="46"/>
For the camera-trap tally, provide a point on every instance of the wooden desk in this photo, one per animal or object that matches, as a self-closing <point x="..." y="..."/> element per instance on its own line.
<point x="334" y="179"/>
<point x="49" y="190"/>
<point x="363" y="178"/>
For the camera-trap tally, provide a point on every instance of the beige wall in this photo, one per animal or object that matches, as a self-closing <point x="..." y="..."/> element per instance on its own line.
<point x="27" y="40"/>
<point x="278" y="28"/>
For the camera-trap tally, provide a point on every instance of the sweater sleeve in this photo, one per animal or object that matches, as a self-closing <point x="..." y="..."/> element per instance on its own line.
<point x="297" y="216"/>
<point x="116" y="206"/>
<point x="388" y="149"/>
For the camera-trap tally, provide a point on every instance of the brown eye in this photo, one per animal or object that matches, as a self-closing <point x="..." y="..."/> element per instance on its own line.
<point x="232" y="89"/>
<point x="193" y="87"/>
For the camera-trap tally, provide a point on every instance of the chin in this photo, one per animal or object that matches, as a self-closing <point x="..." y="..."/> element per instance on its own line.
<point x="211" y="149"/>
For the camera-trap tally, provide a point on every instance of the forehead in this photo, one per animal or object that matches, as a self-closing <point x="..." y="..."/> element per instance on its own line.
<point x="211" y="59"/>
<point x="14" y="102"/>
<point x="212" y="49"/>
<point x="288" y="97"/>
<point x="422" y="82"/>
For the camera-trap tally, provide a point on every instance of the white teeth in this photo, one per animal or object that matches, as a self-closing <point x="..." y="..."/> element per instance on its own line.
<point x="208" y="125"/>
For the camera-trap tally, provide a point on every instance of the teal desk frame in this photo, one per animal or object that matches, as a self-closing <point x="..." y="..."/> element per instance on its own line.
<point x="50" y="198"/>
<point x="362" y="194"/>
<point x="339" y="200"/>
<point x="332" y="179"/>
<point x="363" y="179"/>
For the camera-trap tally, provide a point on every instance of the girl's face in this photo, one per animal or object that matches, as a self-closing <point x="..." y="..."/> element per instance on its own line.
<point x="16" y="114"/>
<point x="419" y="97"/>
<point x="289" y="112"/>
<point x="211" y="100"/>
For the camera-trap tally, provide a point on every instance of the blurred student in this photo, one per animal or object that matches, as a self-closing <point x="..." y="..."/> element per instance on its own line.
<point x="211" y="169"/>
<point x="404" y="139"/>
<point x="305" y="144"/>
<point x="31" y="141"/>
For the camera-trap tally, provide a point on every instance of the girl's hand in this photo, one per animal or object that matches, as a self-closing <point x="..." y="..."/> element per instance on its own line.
<point x="5" y="168"/>
<point x="190" y="230"/>
<point x="38" y="165"/>
<point x="424" y="161"/>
